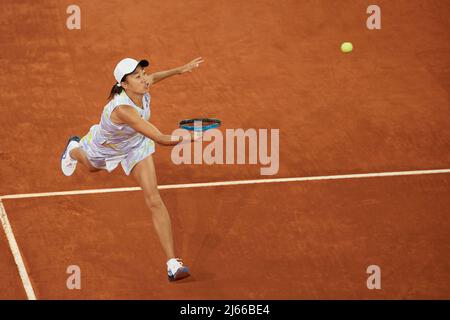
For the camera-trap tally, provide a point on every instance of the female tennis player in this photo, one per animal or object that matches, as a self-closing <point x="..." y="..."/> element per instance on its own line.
<point x="125" y="135"/>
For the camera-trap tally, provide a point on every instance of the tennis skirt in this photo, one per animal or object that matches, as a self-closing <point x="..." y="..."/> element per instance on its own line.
<point x="102" y="157"/>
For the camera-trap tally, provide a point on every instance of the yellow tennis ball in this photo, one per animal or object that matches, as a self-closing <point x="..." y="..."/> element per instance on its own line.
<point x="346" y="47"/>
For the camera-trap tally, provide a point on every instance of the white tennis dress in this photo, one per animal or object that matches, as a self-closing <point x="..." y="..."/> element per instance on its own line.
<point x="107" y="144"/>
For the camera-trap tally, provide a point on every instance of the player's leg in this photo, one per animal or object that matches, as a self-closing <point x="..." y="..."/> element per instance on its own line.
<point x="72" y="155"/>
<point x="145" y="175"/>
<point x="79" y="155"/>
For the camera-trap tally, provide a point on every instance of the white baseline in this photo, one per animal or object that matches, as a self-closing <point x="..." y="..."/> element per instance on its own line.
<point x="228" y="183"/>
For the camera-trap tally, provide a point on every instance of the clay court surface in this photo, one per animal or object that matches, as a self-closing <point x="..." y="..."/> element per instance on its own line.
<point x="268" y="64"/>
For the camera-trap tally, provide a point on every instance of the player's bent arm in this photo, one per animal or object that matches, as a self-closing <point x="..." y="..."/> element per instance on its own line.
<point x="131" y="117"/>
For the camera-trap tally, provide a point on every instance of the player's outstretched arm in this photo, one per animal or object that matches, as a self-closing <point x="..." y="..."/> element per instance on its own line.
<point x="188" y="67"/>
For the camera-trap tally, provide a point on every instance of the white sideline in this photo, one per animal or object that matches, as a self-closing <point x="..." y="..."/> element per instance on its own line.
<point x="16" y="253"/>
<point x="227" y="183"/>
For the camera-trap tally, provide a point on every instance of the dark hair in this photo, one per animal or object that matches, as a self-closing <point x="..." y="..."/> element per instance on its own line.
<point x="116" y="89"/>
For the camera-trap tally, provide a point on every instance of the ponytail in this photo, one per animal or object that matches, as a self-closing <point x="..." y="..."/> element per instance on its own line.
<point x="115" y="90"/>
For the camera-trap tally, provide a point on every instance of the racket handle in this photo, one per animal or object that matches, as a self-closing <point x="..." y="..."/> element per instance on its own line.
<point x="197" y="135"/>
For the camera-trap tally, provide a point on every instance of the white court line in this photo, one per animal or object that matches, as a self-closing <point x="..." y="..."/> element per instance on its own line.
<point x="16" y="254"/>
<point x="228" y="183"/>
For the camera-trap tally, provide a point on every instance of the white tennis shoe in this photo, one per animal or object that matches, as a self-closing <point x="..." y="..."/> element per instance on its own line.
<point x="68" y="165"/>
<point x="176" y="270"/>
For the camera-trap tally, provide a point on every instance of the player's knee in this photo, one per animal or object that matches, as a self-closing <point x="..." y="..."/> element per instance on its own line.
<point x="153" y="199"/>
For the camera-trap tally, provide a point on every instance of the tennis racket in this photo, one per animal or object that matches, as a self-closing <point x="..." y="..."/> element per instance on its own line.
<point x="200" y="124"/>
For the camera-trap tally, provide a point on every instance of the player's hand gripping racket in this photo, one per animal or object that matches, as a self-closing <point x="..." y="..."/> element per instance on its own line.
<point x="198" y="125"/>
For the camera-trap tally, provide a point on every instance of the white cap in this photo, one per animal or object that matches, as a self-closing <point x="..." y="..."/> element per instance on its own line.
<point x="127" y="66"/>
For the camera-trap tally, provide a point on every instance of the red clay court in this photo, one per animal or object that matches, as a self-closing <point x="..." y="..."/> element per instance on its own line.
<point x="364" y="176"/>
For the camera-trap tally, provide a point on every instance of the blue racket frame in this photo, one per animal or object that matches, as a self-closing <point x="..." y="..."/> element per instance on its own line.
<point x="188" y="124"/>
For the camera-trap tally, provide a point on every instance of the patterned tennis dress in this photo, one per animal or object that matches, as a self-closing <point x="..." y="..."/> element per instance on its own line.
<point x="107" y="144"/>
